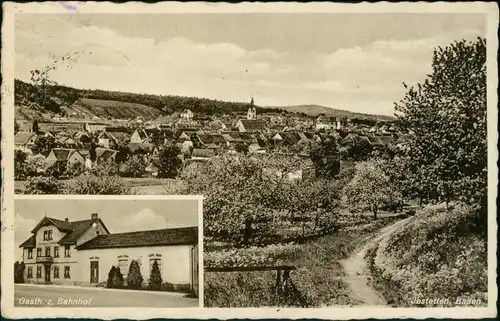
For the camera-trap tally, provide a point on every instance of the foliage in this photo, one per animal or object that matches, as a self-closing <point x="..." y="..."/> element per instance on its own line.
<point x="360" y="149"/>
<point x="241" y="194"/>
<point x="326" y="158"/>
<point x="90" y="184"/>
<point x="19" y="268"/>
<point x="20" y="164"/>
<point x="155" y="280"/>
<point x="169" y="164"/>
<point x="440" y="253"/>
<point x="75" y="169"/>
<point x="16" y="127"/>
<point x="241" y="148"/>
<point x="43" y="145"/>
<point x="133" y="167"/>
<point x="369" y="189"/>
<point x="134" y="277"/>
<point x="42" y="185"/>
<point x="34" y="126"/>
<point x="104" y="168"/>
<point x="57" y="169"/>
<point x="115" y="278"/>
<point x="446" y="119"/>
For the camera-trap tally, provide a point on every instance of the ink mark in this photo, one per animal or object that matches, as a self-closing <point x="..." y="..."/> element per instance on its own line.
<point x="68" y="6"/>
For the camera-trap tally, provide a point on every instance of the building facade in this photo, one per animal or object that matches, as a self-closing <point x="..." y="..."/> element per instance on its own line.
<point x="83" y="252"/>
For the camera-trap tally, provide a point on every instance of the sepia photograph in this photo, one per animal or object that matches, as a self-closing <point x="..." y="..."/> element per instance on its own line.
<point x="252" y="160"/>
<point x="106" y="253"/>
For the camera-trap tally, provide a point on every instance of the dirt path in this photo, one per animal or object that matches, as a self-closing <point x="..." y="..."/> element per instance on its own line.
<point x="357" y="272"/>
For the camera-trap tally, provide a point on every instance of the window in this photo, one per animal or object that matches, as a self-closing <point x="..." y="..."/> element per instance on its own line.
<point x="30" y="253"/>
<point x="66" y="251"/>
<point x="49" y="235"/>
<point x="47" y="251"/>
<point x="56" y="251"/>
<point x="38" y="272"/>
<point x="56" y="272"/>
<point x="66" y="272"/>
<point x="38" y="252"/>
<point x="152" y="262"/>
<point x="30" y="272"/>
<point x="123" y="266"/>
<point x="45" y="235"/>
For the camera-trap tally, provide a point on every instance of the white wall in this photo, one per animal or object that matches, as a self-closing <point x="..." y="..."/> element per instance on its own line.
<point x="175" y="267"/>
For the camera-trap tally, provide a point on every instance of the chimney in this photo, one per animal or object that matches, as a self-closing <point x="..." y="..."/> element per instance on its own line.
<point x="66" y="220"/>
<point x="94" y="216"/>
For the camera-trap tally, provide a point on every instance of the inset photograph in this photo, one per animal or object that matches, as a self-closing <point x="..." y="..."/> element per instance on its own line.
<point x="107" y="252"/>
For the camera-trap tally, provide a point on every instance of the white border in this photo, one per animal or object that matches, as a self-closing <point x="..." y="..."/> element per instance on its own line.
<point x="489" y="9"/>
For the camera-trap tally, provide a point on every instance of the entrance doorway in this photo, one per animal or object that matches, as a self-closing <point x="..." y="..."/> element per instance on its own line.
<point x="94" y="272"/>
<point x="46" y="268"/>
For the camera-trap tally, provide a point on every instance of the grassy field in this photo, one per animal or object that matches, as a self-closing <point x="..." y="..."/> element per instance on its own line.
<point x="318" y="280"/>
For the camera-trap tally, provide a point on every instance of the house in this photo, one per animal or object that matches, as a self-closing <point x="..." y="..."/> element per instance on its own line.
<point x="217" y="126"/>
<point x="247" y="125"/>
<point x="83" y="252"/>
<point x="105" y="155"/>
<point x="152" y="170"/>
<point x="67" y="141"/>
<point x="323" y="122"/>
<point x="68" y="156"/>
<point x="202" y="154"/>
<point x="138" y="136"/>
<point x="94" y="127"/>
<point x="187" y="114"/>
<point x="24" y="141"/>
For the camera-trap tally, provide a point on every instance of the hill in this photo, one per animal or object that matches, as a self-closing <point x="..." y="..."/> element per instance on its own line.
<point x="316" y="110"/>
<point x="112" y="109"/>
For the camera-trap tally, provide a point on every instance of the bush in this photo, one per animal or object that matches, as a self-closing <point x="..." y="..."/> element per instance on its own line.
<point x="115" y="278"/>
<point x="184" y="288"/>
<point x="167" y="287"/>
<point x="19" y="268"/>
<point x="42" y="185"/>
<point x="439" y="253"/>
<point x="97" y="185"/>
<point x="134" y="167"/>
<point x="155" y="278"/>
<point x="134" y="277"/>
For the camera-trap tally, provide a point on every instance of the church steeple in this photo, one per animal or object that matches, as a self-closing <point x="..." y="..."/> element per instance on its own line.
<point x="251" y="102"/>
<point x="252" y="112"/>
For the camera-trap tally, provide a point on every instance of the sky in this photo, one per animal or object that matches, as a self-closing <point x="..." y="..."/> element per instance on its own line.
<point x="355" y="62"/>
<point x="118" y="215"/>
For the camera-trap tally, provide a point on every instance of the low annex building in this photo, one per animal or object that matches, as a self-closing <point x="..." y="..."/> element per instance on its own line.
<point x="83" y="252"/>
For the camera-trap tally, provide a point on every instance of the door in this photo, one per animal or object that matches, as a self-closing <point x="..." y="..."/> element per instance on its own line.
<point x="46" y="268"/>
<point x="94" y="272"/>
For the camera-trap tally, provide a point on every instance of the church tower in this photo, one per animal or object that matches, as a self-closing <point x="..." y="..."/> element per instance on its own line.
<point x="252" y="112"/>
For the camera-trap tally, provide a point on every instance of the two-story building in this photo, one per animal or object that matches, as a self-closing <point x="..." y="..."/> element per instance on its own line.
<point x="83" y="252"/>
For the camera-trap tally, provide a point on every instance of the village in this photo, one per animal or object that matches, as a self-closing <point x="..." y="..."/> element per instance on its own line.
<point x="66" y="143"/>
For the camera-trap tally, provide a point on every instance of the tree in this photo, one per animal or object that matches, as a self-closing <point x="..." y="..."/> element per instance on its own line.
<point x="35" y="164"/>
<point x="169" y="164"/>
<point x="34" y="127"/>
<point x="368" y="190"/>
<point x="16" y="127"/>
<point x="19" y="268"/>
<point x="43" y="145"/>
<point x="75" y="169"/>
<point x="115" y="278"/>
<point x="326" y="158"/>
<point x="42" y="185"/>
<point x="241" y="148"/>
<point x="360" y="149"/>
<point x="20" y="164"/>
<point x="155" y="279"/>
<point x="90" y="184"/>
<point x="134" y="167"/>
<point x="446" y="120"/>
<point x="57" y="169"/>
<point x="134" y="277"/>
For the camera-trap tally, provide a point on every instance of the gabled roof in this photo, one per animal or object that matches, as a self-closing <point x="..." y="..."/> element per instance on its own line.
<point x="172" y="236"/>
<point x="142" y="134"/>
<point x="104" y="153"/>
<point x="29" y="243"/>
<point x="73" y="229"/>
<point x="62" y="154"/>
<point x="253" y="125"/>
<point x="79" y="227"/>
<point x="374" y="140"/>
<point x="387" y="139"/>
<point x="206" y="153"/>
<point x="22" y="138"/>
<point x="137" y="146"/>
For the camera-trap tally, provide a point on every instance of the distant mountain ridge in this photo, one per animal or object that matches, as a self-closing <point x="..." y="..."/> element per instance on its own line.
<point x="316" y="110"/>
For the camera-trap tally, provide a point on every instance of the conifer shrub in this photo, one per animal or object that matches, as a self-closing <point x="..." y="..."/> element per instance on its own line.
<point x="134" y="277"/>
<point x="155" y="281"/>
<point x="115" y="278"/>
